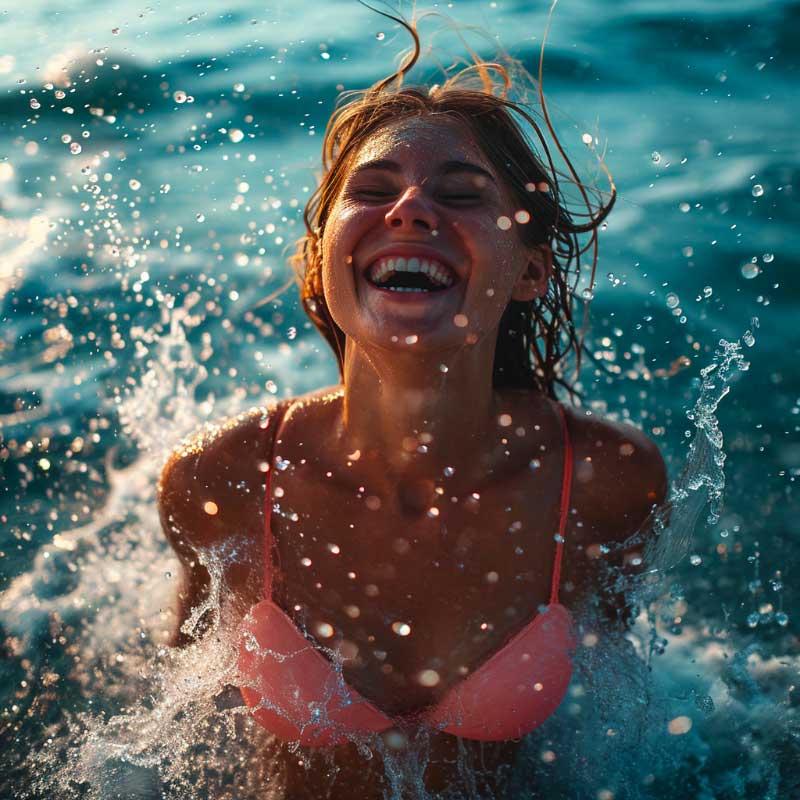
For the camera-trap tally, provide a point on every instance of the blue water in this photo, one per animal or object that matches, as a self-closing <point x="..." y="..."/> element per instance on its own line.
<point x="130" y="281"/>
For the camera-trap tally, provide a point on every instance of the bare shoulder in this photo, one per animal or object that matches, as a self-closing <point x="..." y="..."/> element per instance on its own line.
<point x="212" y="483"/>
<point x="619" y="475"/>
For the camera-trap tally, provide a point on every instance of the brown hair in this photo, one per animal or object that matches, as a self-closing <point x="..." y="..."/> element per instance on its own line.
<point x="534" y="337"/>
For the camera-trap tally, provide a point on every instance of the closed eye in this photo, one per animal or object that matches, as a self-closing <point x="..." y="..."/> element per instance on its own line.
<point x="459" y="198"/>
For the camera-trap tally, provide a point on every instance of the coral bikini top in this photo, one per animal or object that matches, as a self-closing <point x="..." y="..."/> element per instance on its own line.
<point x="298" y="694"/>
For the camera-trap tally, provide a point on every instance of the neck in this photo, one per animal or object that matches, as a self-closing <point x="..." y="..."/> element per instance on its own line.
<point x="409" y="419"/>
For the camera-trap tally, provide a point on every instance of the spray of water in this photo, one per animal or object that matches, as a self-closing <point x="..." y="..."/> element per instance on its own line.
<point x="155" y="722"/>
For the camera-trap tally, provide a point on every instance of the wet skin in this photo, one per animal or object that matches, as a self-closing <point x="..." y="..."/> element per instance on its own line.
<point x="368" y="460"/>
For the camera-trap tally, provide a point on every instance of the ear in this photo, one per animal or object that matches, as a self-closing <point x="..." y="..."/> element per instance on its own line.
<point x="532" y="283"/>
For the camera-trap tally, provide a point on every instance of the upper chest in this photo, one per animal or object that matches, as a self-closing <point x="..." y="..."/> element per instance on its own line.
<point x="405" y="593"/>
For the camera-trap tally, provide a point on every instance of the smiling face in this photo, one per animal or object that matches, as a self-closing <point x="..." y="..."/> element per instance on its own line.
<point x="422" y="241"/>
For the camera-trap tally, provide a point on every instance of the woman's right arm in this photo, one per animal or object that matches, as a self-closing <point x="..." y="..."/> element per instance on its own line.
<point x="211" y="495"/>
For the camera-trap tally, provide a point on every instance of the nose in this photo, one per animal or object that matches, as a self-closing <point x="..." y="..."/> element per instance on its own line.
<point x="412" y="212"/>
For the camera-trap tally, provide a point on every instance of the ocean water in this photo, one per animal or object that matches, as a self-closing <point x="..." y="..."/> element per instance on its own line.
<point x="154" y="163"/>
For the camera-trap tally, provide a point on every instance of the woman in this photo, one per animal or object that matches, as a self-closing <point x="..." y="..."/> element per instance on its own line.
<point x="436" y="521"/>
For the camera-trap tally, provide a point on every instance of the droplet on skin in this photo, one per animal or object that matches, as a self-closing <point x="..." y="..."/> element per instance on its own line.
<point x="211" y="508"/>
<point x="428" y="678"/>
<point x="401" y="628"/>
<point x="324" y="630"/>
<point x="679" y="726"/>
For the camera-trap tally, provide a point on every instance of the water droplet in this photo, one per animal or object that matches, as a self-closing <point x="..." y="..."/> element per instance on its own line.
<point x="282" y="464"/>
<point x="587" y="139"/>
<point x="752" y="620"/>
<point x="179" y="96"/>
<point x="134" y="184"/>
<point x="707" y="291"/>
<point x="428" y="678"/>
<point x="679" y="725"/>
<point x="750" y="269"/>
<point x="748" y="338"/>
<point x="768" y="258"/>
<point x="200" y="217"/>
<point x="782" y="618"/>
<point x="211" y="508"/>
<point x="672" y="300"/>
<point x="235" y="135"/>
<point x="757" y="190"/>
<point x="238" y="87"/>
<point x="324" y="630"/>
<point x="522" y="217"/>
<point x="412" y="339"/>
<point x="449" y="472"/>
<point x="695" y="560"/>
<point x="380" y="36"/>
<point x="35" y="103"/>
<point x="291" y="333"/>
<point x="75" y="148"/>
<point x="460" y="321"/>
<point x="655" y="156"/>
<point x="587" y="295"/>
<point x="305" y="561"/>
<point x="401" y="628"/>
<point x="504" y="223"/>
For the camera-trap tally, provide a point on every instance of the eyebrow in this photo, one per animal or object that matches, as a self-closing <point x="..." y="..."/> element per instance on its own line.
<point x="448" y="168"/>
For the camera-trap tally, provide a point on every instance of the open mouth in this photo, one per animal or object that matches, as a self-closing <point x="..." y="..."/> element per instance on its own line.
<point x="419" y="275"/>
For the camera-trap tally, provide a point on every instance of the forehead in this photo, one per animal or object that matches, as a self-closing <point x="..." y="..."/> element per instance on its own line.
<point x="424" y="141"/>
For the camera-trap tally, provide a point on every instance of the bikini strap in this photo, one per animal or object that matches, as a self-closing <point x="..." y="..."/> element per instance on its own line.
<point x="566" y="485"/>
<point x="270" y="564"/>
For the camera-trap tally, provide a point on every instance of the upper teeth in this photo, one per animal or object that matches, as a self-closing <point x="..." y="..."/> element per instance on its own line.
<point x="384" y="267"/>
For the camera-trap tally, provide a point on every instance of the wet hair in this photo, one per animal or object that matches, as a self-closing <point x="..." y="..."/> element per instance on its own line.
<point x="535" y="337"/>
